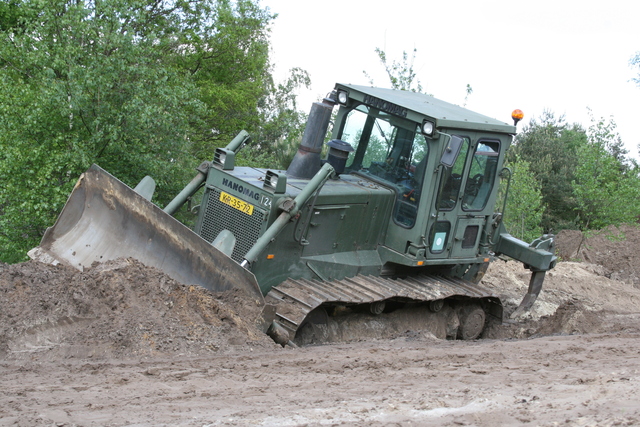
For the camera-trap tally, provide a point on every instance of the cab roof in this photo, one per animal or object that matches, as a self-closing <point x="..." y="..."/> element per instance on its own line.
<point x="420" y="106"/>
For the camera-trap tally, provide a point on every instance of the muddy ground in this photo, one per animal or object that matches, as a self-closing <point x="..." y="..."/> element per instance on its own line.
<point x="122" y="344"/>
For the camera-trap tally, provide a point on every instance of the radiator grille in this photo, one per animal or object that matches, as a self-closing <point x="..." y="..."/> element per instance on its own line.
<point x="219" y="216"/>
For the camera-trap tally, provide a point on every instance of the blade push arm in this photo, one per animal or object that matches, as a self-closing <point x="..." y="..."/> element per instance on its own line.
<point x="539" y="257"/>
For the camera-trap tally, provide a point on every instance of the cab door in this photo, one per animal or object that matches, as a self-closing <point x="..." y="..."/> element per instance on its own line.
<point x="442" y="229"/>
<point x="475" y="199"/>
<point x="464" y="200"/>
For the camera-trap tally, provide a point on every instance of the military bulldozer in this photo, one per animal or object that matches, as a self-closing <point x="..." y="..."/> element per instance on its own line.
<point x="398" y="217"/>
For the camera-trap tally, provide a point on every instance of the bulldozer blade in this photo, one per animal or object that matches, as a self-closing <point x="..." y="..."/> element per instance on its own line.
<point x="104" y="219"/>
<point x="535" y="286"/>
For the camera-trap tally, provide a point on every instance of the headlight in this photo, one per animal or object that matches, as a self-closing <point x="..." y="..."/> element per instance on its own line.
<point x="272" y="181"/>
<point x="224" y="158"/>
<point x="275" y="182"/>
<point x="343" y="97"/>
<point x="428" y="128"/>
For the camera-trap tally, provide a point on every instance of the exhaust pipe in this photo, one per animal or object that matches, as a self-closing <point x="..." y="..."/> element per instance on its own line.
<point x="307" y="162"/>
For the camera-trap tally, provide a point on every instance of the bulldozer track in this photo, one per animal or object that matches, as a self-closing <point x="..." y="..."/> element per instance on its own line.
<point x="295" y="299"/>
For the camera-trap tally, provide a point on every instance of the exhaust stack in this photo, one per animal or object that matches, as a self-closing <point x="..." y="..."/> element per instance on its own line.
<point x="307" y="162"/>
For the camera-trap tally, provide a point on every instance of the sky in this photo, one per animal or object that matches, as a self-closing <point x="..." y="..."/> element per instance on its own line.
<point x="565" y="56"/>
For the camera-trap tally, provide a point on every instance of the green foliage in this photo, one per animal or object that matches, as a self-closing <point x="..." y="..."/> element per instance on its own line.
<point x="524" y="210"/>
<point x="618" y="237"/>
<point x="606" y="185"/>
<point x="281" y="123"/>
<point x="255" y="158"/>
<point x="587" y="179"/>
<point x="141" y="87"/>
<point x="226" y="55"/>
<point x="276" y="141"/>
<point x="402" y="75"/>
<point x="277" y="156"/>
<point x="377" y="150"/>
<point x="550" y="147"/>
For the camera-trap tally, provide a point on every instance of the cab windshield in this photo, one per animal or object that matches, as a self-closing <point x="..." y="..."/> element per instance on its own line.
<point x="390" y="150"/>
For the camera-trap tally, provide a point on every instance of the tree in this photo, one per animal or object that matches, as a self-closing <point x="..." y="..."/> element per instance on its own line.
<point x="141" y="87"/>
<point x="550" y="145"/>
<point x="228" y="61"/>
<point x="282" y="124"/>
<point x="401" y="74"/>
<point x="523" y="214"/>
<point x="587" y="179"/>
<point x="606" y="185"/>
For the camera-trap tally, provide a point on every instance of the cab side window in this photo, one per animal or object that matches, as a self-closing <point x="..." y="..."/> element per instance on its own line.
<point x="451" y="180"/>
<point x="482" y="175"/>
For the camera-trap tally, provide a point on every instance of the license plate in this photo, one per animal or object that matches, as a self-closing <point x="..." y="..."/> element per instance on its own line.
<point x="242" y="206"/>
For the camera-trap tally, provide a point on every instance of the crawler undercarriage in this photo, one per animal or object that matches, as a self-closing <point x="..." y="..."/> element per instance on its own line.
<point x="312" y="311"/>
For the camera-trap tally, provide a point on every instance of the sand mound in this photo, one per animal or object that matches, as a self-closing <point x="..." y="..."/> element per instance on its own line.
<point x="615" y="249"/>
<point x="118" y="309"/>
<point x="123" y="309"/>
<point x="577" y="297"/>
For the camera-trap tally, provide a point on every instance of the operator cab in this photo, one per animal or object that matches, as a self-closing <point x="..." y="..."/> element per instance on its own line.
<point x="441" y="161"/>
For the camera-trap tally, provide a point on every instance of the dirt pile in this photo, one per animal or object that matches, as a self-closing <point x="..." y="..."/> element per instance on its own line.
<point x="593" y="289"/>
<point x="64" y="335"/>
<point x="118" y="309"/>
<point x="615" y="249"/>
<point x="122" y="309"/>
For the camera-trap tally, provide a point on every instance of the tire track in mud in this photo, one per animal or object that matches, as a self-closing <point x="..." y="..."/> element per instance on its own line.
<point x="577" y="380"/>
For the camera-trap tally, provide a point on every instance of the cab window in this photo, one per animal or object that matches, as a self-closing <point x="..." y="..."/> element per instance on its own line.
<point x="391" y="150"/>
<point x="451" y="180"/>
<point x="482" y="175"/>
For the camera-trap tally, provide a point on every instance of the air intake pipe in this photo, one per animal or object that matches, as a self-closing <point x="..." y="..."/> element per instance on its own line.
<point x="306" y="162"/>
